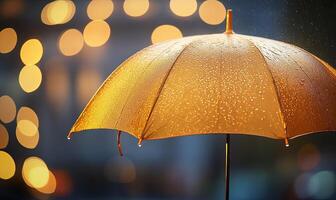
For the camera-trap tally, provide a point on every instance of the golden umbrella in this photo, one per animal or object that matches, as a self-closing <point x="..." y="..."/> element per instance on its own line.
<point x="218" y="83"/>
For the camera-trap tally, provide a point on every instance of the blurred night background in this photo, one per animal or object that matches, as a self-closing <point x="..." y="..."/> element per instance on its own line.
<point x="55" y="54"/>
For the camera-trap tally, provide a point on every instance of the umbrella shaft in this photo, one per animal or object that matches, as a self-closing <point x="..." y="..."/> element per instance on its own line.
<point x="227" y="167"/>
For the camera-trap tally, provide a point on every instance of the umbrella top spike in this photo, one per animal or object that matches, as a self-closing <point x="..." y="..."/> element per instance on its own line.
<point x="229" y="22"/>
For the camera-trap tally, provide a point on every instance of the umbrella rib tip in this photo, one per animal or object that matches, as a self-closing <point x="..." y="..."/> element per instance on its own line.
<point x="286" y="142"/>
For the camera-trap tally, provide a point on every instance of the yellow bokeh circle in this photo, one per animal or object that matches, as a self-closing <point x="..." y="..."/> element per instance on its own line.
<point x="71" y="42"/>
<point x="183" y="8"/>
<point x="96" y="33"/>
<point x="7" y="109"/>
<point x="35" y="172"/>
<point x="30" y="78"/>
<point x="31" y="52"/>
<point x="8" y="40"/>
<point x="165" y="32"/>
<point x="136" y="8"/>
<point x="100" y="9"/>
<point x="212" y="12"/>
<point x="7" y="166"/>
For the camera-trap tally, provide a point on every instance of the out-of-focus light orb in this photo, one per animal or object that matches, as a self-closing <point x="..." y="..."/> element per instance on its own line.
<point x="3" y="137"/>
<point x="27" y="127"/>
<point x="322" y="185"/>
<point x="29" y="142"/>
<point x="35" y="172"/>
<point x="57" y="84"/>
<point x="136" y="8"/>
<point x="71" y="42"/>
<point x="7" y="109"/>
<point x="50" y="187"/>
<point x="100" y="9"/>
<point x="64" y="183"/>
<point x="96" y="33"/>
<point x="26" y="113"/>
<point x="7" y="166"/>
<point x="30" y="78"/>
<point x="212" y="12"/>
<point x="11" y="8"/>
<point x="301" y="186"/>
<point x="120" y="170"/>
<point x="183" y="8"/>
<point x="308" y="157"/>
<point x="87" y="82"/>
<point x="58" y="12"/>
<point x="165" y="32"/>
<point x="31" y="52"/>
<point x="8" y="40"/>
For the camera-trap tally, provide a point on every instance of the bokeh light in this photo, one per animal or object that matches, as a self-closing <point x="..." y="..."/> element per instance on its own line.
<point x="50" y="187"/>
<point x="136" y="8"/>
<point x="100" y="9"/>
<point x="96" y="33"/>
<point x="8" y="40"/>
<point x="165" y="32"/>
<point x="58" y="12"/>
<point x="301" y="186"/>
<point x="64" y="183"/>
<point x="26" y="113"/>
<point x="30" y="78"/>
<point x="11" y="8"/>
<point x="27" y="127"/>
<point x="183" y="8"/>
<point x="7" y="167"/>
<point x="27" y="141"/>
<point x="212" y="12"/>
<point x="31" y="52"/>
<point x="57" y="84"/>
<point x="71" y="42"/>
<point x="3" y="136"/>
<point x="308" y="157"/>
<point x="322" y="185"/>
<point x="120" y="170"/>
<point x="87" y="82"/>
<point x="35" y="172"/>
<point x="8" y="109"/>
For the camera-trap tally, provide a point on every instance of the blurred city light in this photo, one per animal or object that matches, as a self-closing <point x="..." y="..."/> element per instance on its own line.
<point x="100" y="9"/>
<point x="96" y="33"/>
<point x="308" y="157"/>
<point x="58" y="12"/>
<point x="212" y="12"/>
<point x="27" y="141"/>
<point x="136" y="8"/>
<point x="87" y="82"/>
<point x="57" y="84"/>
<point x="35" y="172"/>
<point x="7" y="167"/>
<point x="4" y="138"/>
<point x="30" y="78"/>
<point x="8" y="109"/>
<point x="51" y="185"/>
<point x="301" y="186"/>
<point x="183" y="8"/>
<point x="27" y="128"/>
<point x="8" y="40"/>
<point x="31" y="52"/>
<point x="71" y="42"/>
<point x="11" y="8"/>
<point x="165" y="32"/>
<point x="322" y="185"/>
<point x="26" y="113"/>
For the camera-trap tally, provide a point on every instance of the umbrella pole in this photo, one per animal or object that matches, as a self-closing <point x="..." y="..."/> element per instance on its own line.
<point x="227" y="167"/>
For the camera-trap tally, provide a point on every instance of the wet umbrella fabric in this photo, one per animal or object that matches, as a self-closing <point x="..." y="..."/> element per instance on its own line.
<point x="219" y="83"/>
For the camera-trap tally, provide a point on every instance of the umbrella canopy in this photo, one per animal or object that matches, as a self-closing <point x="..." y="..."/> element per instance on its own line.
<point x="217" y="83"/>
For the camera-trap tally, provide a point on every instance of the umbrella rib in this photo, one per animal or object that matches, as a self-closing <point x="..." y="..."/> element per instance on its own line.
<point x="162" y="86"/>
<point x="275" y="87"/>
